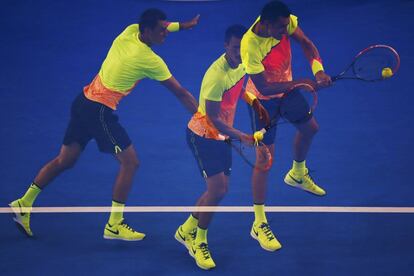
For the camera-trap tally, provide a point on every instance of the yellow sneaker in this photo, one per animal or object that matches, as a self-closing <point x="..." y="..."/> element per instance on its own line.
<point x="122" y="231"/>
<point x="305" y="183"/>
<point x="185" y="239"/>
<point x="264" y="235"/>
<point x="21" y="217"/>
<point x="202" y="256"/>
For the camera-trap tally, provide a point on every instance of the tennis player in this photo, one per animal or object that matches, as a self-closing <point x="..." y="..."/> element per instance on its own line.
<point x="129" y="60"/>
<point x="221" y="88"/>
<point x="266" y="56"/>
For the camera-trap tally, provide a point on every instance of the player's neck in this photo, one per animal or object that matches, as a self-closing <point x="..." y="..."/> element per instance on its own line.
<point x="144" y="40"/>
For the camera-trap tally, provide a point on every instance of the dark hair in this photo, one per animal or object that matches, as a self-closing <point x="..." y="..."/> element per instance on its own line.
<point x="273" y="10"/>
<point x="150" y="18"/>
<point x="234" y="30"/>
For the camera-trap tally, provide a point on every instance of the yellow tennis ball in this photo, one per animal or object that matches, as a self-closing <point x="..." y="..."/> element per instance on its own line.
<point x="386" y="72"/>
<point x="258" y="136"/>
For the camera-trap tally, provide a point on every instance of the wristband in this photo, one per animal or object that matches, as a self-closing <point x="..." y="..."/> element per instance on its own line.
<point x="173" y="26"/>
<point x="316" y="66"/>
<point x="249" y="97"/>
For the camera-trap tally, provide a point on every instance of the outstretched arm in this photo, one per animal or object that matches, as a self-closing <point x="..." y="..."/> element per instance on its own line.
<point x="179" y="26"/>
<point x="182" y="94"/>
<point x="189" y="24"/>
<point x="267" y="87"/>
<point x="312" y="54"/>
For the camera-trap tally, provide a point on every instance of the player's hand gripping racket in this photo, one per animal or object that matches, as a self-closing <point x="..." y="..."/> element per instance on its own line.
<point x="255" y="153"/>
<point x="375" y="63"/>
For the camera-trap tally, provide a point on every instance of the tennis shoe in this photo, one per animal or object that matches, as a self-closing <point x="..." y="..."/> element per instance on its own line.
<point x="22" y="216"/>
<point x="122" y="231"/>
<point x="184" y="238"/>
<point x="304" y="182"/>
<point x="202" y="255"/>
<point x="264" y="235"/>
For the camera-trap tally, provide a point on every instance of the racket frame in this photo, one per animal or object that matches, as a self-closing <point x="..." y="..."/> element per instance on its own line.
<point x="258" y="146"/>
<point x="342" y="76"/>
<point x="309" y="89"/>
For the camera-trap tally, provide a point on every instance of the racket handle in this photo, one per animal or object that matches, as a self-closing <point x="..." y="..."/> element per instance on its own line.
<point x="334" y="78"/>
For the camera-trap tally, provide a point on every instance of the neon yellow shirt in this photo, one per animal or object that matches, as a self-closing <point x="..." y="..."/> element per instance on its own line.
<point x="130" y="60"/>
<point x="267" y="54"/>
<point x="221" y="83"/>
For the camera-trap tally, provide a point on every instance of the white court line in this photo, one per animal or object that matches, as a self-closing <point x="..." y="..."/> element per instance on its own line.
<point x="192" y="0"/>
<point x="231" y="209"/>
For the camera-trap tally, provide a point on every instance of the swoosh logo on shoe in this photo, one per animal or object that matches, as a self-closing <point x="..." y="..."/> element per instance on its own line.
<point x="194" y="251"/>
<point x="294" y="179"/>
<point x="113" y="232"/>
<point x="20" y="208"/>
<point x="183" y="238"/>
<point x="255" y="232"/>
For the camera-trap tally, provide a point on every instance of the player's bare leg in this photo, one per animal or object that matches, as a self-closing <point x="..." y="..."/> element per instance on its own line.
<point x="66" y="159"/>
<point x="117" y="228"/>
<point x="129" y="164"/>
<point x="260" y="229"/>
<point x="299" y="176"/>
<point x="217" y="186"/>
<point x="303" y="138"/>
<point x="21" y="207"/>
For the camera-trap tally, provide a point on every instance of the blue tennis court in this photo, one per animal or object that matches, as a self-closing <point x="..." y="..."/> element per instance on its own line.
<point x="362" y="154"/>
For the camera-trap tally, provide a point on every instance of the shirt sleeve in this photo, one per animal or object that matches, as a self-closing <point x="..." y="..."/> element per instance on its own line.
<point x="156" y="69"/>
<point x="293" y="24"/>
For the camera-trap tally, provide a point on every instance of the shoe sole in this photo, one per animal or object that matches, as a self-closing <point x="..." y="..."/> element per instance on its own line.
<point x="300" y="187"/>
<point x="120" y="239"/>
<point x="267" y="249"/>
<point x="200" y="266"/>
<point x="19" y="224"/>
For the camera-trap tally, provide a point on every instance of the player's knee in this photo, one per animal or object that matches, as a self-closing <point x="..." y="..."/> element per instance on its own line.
<point x="131" y="164"/>
<point x="264" y="168"/>
<point x="263" y="165"/>
<point x="311" y="130"/>
<point x="65" y="163"/>
<point x="314" y="129"/>
<point x="220" y="191"/>
<point x="135" y="164"/>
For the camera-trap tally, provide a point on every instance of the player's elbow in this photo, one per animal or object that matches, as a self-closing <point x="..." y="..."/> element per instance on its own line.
<point x="307" y="44"/>
<point x="217" y="123"/>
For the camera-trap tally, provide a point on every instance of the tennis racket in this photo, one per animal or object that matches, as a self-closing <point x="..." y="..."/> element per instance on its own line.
<point x="257" y="155"/>
<point x="375" y="63"/>
<point x="309" y="94"/>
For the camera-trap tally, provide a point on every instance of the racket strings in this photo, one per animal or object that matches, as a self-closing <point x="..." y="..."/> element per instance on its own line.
<point x="370" y="64"/>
